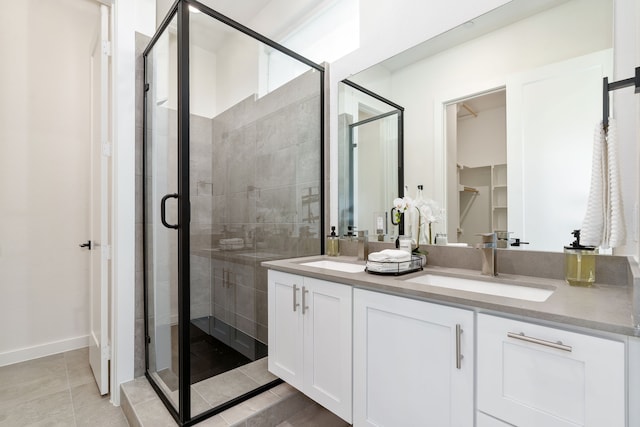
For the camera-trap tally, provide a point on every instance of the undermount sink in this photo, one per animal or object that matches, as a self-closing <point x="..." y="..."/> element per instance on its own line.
<point x="491" y="288"/>
<point x="336" y="266"/>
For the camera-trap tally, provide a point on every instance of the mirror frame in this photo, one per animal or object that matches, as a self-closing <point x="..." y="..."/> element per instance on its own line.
<point x="399" y="110"/>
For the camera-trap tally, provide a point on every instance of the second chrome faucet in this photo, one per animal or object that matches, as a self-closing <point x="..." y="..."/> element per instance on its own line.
<point x="488" y="252"/>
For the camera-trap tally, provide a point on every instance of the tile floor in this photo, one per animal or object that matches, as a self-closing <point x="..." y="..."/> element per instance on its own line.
<point x="60" y="391"/>
<point x="281" y="406"/>
<point x="57" y="390"/>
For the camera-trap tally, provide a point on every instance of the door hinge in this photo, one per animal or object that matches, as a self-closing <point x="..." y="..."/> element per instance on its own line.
<point x="107" y="252"/>
<point x="146" y="87"/>
<point x="148" y="339"/>
<point x="106" y="149"/>
<point x="106" y="47"/>
<point x="106" y="352"/>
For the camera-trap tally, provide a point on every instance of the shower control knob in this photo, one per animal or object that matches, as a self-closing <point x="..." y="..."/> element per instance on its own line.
<point x="86" y="245"/>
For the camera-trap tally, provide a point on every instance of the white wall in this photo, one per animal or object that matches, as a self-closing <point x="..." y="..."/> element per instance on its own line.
<point x="482" y="140"/>
<point x="128" y="17"/>
<point x="44" y="185"/>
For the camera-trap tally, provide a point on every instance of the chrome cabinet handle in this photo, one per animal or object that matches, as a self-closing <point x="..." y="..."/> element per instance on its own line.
<point x="459" y="355"/>
<point x="295" y="303"/>
<point x="304" y="304"/>
<point x="557" y="345"/>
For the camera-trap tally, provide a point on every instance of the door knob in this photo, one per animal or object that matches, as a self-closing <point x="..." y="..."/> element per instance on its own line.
<point x="86" y="245"/>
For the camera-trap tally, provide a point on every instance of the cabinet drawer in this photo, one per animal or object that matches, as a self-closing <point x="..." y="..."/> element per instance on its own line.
<point x="532" y="375"/>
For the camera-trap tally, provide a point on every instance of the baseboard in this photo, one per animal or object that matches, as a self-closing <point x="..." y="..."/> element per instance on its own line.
<point x="28" y="353"/>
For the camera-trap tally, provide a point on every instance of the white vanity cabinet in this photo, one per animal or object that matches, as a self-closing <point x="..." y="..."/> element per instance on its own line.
<point x="310" y="338"/>
<point x="532" y="375"/>
<point x="413" y="362"/>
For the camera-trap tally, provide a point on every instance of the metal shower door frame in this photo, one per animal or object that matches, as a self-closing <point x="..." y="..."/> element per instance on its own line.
<point x="181" y="9"/>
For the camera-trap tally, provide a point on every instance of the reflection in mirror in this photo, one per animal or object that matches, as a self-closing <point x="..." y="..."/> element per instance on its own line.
<point x="476" y="141"/>
<point x="549" y="58"/>
<point x="370" y="160"/>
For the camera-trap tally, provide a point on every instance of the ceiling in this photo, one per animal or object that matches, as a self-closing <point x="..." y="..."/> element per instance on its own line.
<point x="481" y="103"/>
<point x="273" y="19"/>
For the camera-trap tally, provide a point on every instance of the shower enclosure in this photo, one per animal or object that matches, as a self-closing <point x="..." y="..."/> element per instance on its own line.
<point x="233" y="175"/>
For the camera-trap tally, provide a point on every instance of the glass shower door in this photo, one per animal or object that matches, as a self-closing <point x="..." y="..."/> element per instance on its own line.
<point x="160" y="211"/>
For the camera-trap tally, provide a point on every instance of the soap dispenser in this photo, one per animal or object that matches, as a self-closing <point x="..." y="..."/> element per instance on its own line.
<point x="333" y="243"/>
<point x="579" y="263"/>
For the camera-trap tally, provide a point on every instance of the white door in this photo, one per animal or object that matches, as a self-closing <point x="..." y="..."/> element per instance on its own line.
<point x="100" y="173"/>
<point x="552" y="109"/>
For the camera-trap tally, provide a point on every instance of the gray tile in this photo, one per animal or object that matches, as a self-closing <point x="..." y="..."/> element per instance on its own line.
<point x="258" y="371"/>
<point x="314" y="416"/>
<point x="153" y="414"/>
<point x="276" y="168"/>
<point x="78" y="369"/>
<point x="32" y="370"/>
<point x="86" y="395"/>
<point x="261" y="402"/>
<point x="55" y="406"/>
<point x="76" y="356"/>
<point x="198" y="404"/>
<point x="138" y="391"/>
<point x="80" y="374"/>
<point x="13" y="394"/>
<point x="55" y="422"/>
<point x="127" y="409"/>
<point x="276" y="414"/>
<point x="215" y="421"/>
<point x="102" y="414"/>
<point x="284" y="390"/>
<point x="237" y="415"/>
<point x="139" y="349"/>
<point x="223" y="387"/>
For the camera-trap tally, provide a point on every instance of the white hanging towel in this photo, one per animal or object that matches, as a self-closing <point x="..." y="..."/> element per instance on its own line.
<point x="616" y="232"/>
<point x="603" y="223"/>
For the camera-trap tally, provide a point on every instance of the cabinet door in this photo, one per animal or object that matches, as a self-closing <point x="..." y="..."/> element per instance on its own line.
<point x="529" y="383"/>
<point x="484" y="420"/>
<point x="327" y="345"/>
<point x="285" y="327"/>
<point x="405" y="362"/>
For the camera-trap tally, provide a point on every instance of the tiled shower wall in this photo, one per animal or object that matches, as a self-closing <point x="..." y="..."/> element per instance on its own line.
<point x="264" y="189"/>
<point x="255" y="174"/>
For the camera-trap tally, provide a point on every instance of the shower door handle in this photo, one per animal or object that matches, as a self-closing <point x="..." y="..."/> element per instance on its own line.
<point x="163" y="202"/>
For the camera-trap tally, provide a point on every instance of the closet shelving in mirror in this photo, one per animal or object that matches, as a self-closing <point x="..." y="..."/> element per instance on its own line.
<point x="499" y="204"/>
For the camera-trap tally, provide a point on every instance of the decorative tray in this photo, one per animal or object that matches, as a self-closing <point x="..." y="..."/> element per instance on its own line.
<point x="393" y="268"/>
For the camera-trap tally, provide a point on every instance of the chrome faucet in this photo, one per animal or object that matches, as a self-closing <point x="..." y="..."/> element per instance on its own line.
<point x="363" y="245"/>
<point x="488" y="249"/>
